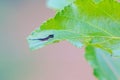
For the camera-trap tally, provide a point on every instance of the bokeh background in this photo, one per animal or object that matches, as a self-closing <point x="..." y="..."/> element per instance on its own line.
<point x="60" y="61"/>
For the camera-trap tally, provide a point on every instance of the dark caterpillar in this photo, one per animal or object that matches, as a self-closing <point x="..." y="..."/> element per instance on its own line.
<point x="45" y="39"/>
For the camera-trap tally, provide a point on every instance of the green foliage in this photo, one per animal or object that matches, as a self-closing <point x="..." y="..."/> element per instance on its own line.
<point x="94" y="24"/>
<point x="106" y="67"/>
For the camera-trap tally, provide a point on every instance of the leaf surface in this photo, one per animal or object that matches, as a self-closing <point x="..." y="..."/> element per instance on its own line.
<point x="106" y="67"/>
<point x="94" y="24"/>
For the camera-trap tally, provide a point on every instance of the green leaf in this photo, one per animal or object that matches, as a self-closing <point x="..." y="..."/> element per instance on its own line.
<point x="76" y="42"/>
<point x="105" y="66"/>
<point x="94" y="23"/>
<point x="58" y="35"/>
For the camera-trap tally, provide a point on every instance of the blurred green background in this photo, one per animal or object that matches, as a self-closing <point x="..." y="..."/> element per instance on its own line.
<point x="17" y="62"/>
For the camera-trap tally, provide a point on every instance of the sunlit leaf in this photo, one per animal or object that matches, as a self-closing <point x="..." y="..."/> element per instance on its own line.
<point x="94" y="23"/>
